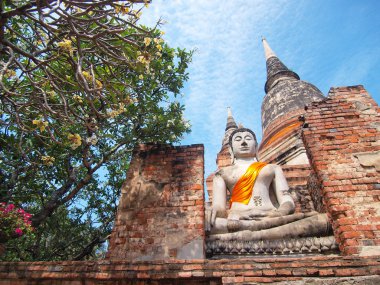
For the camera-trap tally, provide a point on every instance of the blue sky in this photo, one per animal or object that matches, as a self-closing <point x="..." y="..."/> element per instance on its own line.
<point x="328" y="43"/>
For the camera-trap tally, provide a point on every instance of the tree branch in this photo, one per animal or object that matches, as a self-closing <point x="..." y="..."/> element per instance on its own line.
<point x="22" y="9"/>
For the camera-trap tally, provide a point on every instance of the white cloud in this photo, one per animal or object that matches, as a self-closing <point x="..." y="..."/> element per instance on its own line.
<point x="225" y="35"/>
<point x="228" y="68"/>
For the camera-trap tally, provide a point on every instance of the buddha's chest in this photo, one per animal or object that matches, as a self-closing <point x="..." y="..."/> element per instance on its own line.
<point x="232" y="176"/>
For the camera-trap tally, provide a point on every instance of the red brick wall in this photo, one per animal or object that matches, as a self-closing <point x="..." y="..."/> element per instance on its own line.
<point x="317" y="270"/>
<point x="161" y="209"/>
<point x="297" y="178"/>
<point x="223" y="157"/>
<point x="342" y="137"/>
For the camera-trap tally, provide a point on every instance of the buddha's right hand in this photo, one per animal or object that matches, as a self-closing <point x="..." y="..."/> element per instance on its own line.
<point x="208" y="220"/>
<point x="211" y="215"/>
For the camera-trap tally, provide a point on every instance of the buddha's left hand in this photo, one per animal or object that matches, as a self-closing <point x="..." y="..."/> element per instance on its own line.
<point x="284" y="210"/>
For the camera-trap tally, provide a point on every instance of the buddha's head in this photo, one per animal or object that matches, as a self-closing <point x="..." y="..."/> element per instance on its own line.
<point x="243" y="143"/>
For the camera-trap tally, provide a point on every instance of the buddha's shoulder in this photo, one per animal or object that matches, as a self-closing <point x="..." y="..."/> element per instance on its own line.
<point x="225" y="171"/>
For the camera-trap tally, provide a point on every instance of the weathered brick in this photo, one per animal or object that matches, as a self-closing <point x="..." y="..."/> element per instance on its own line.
<point x="161" y="209"/>
<point x="338" y="129"/>
<point x="326" y="272"/>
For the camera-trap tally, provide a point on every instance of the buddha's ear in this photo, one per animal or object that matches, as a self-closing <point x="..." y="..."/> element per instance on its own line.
<point x="231" y="154"/>
<point x="257" y="150"/>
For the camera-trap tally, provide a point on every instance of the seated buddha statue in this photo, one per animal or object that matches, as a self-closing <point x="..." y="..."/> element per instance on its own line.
<point x="261" y="206"/>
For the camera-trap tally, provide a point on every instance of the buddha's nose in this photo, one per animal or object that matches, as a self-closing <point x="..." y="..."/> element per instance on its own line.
<point x="243" y="143"/>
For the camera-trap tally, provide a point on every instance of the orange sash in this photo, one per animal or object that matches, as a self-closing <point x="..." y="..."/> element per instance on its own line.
<point x="243" y="189"/>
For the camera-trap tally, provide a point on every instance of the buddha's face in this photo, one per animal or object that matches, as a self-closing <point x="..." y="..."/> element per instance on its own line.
<point x="243" y="145"/>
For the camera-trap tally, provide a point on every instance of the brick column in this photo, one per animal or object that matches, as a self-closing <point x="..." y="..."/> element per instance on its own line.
<point x="161" y="209"/>
<point x="342" y="137"/>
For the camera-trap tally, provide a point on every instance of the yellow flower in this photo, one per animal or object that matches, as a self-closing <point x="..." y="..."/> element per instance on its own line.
<point x="45" y="83"/>
<point x="141" y="76"/>
<point x="147" y="41"/>
<point x="143" y="59"/>
<point x="52" y="94"/>
<point x="158" y="40"/>
<point x="121" y="9"/>
<point x="66" y="45"/>
<point x="87" y="75"/>
<point x="48" y="160"/>
<point x="40" y="124"/>
<point x="159" y="47"/>
<point x="128" y="100"/>
<point x="99" y="84"/>
<point x="75" y="140"/>
<point x="162" y="33"/>
<point x="121" y="107"/>
<point x="78" y="98"/>
<point x="113" y="113"/>
<point x="138" y="14"/>
<point x="10" y="73"/>
<point x="158" y="54"/>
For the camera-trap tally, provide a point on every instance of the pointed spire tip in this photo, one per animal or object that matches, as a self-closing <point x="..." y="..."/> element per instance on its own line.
<point x="230" y="120"/>
<point x="229" y="112"/>
<point x="267" y="50"/>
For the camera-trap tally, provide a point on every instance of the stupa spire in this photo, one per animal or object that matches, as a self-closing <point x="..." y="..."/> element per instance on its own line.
<point x="285" y="100"/>
<point x="229" y="112"/>
<point x="275" y="68"/>
<point x="267" y="50"/>
<point x="230" y="120"/>
<point x="230" y="126"/>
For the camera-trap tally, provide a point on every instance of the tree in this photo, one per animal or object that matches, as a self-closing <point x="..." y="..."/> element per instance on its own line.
<point x="81" y="84"/>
